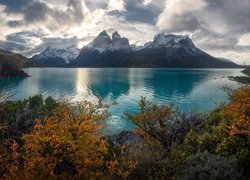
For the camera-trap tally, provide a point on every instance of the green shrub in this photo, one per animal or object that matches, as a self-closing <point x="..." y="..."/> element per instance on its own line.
<point x="17" y="117"/>
<point x="208" y="166"/>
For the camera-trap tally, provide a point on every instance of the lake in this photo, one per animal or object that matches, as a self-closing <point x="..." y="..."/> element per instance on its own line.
<point x="188" y="89"/>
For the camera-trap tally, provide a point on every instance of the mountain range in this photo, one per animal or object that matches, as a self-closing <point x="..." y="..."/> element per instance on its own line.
<point x="56" y="57"/>
<point x="165" y="51"/>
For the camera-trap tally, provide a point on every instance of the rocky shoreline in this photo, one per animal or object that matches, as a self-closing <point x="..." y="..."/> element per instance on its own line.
<point x="125" y="137"/>
<point x="247" y="71"/>
<point x="242" y="79"/>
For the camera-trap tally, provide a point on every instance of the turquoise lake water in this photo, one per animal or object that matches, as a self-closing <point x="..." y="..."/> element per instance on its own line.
<point x="188" y="89"/>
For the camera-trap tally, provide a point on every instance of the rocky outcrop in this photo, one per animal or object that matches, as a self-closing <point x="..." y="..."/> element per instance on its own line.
<point x="247" y="71"/>
<point x="125" y="137"/>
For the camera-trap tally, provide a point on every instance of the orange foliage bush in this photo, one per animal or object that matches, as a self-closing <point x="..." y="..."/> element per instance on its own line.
<point x="239" y="109"/>
<point x="67" y="145"/>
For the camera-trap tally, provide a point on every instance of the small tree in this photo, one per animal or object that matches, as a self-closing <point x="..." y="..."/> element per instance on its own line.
<point x="67" y="144"/>
<point x="162" y="123"/>
<point x="239" y="109"/>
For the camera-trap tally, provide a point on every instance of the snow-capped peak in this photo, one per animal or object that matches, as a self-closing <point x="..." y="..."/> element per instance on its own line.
<point x="103" y="42"/>
<point x="172" y="41"/>
<point x="116" y="35"/>
<point x="68" y="54"/>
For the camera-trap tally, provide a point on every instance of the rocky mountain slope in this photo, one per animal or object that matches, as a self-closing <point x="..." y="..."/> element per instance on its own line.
<point x="10" y="64"/>
<point x="56" y="57"/>
<point x="104" y="51"/>
<point x="165" y="51"/>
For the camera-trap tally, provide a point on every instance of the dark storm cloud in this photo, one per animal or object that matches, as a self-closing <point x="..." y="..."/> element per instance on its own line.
<point x="15" y="5"/>
<point x="189" y="22"/>
<point x="40" y="12"/>
<point x="14" y="24"/>
<point x="36" y="11"/>
<point x="137" y="11"/>
<point x="57" y="42"/>
<point x="13" y="46"/>
<point x="209" y="40"/>
<point x="21" y="37"/>
<point x="221" y="16"/>
<point x="76" y="9"/>
<point x="18" y="42"/>
<point x="96" y="4"/>
<point x="235" y="14"/>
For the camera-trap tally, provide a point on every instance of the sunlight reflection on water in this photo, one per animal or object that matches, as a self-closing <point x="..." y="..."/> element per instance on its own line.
<point x="189" y="89"/>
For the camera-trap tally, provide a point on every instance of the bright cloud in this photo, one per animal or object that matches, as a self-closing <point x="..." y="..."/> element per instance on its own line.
<point x="220" y="27"/>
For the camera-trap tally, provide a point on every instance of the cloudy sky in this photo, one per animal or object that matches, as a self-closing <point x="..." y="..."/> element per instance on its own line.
<point x="220" y="27"/>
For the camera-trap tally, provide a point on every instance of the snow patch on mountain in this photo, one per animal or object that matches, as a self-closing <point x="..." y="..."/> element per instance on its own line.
<point x="172" y="41"/>
<point x="68" y="54"/>
<point x="103" y="42"/>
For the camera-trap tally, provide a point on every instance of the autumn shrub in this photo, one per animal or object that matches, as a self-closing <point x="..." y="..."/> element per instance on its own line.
<point x="68" y="144"/>
<point x="239" y="109"/>
<point x="163" y="124"/>
<point x="46" y="139"/>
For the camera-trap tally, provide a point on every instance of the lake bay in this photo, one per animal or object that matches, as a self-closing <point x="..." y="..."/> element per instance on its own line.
<point x="188" y="89"/>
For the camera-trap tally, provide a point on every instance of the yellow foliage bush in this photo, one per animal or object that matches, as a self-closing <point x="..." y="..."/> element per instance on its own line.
<point x="67" y="145"/>
<point x="239" y="109"/>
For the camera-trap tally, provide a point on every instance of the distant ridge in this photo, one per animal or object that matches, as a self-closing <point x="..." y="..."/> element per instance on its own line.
<point x="55" y="57"/>
<point x="165" y="51"/>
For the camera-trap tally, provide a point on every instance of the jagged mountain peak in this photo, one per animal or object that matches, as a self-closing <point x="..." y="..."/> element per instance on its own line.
<point x="102" y="36"/>
<point x="67" y="54"/>
<point x="103" y="33"/>
<point x="103" y="42"/>
<point x="116" y="35"/>
<point x="171" y="39"/>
